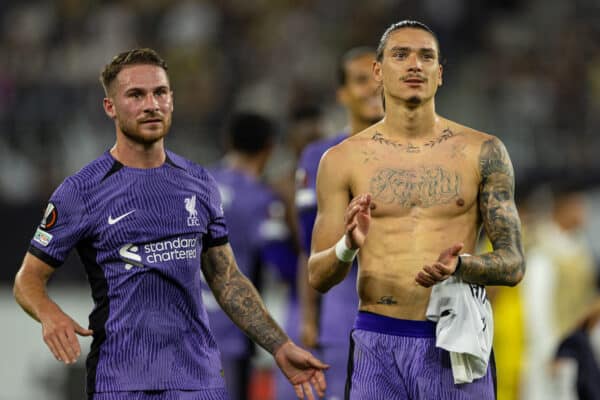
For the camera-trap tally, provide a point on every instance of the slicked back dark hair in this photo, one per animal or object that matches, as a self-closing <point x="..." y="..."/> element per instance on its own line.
<point x="249" y="133"/>
<point x="143" y="56"/>
<point x="350" y="55"/>
<point x="407" y="23"/>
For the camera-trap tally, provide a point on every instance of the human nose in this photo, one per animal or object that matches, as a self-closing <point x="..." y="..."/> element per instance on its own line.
<point x="414" y="63"/>
<point x="150" y="103"/>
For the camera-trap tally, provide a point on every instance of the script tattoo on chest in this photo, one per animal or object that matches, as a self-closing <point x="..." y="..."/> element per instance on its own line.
<point x="423" y="187"/>
<point x="411" y="148"/>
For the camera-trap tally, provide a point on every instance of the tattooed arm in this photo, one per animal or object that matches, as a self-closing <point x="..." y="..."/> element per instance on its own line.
<point x="238" y="297"/>
<point x="505" y="265"/>
<point x="240" y="300"/>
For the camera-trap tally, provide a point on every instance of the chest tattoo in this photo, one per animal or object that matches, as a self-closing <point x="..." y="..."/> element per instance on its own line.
<point x="411" y="148"/>
<point x="369" y="155"/>
<point x="423" y="187"/>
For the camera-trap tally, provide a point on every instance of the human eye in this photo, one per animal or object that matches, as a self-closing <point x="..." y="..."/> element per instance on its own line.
<point x="135" y="94"/>
<point x="161" y="91"/>
<point x="401" y="54"/>
<point x="428" y="56"/>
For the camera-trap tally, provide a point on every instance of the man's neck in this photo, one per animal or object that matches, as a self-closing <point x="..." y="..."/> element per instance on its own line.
<point x="405" y="122"/>
<point x="137" y="155"/>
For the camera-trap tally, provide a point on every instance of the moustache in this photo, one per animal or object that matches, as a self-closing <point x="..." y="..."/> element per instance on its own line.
<point x="407" y="77"/>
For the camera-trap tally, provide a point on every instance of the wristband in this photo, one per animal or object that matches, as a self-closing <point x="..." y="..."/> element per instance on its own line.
<point x="459" y="263"/>
<point x="343" y="253"/>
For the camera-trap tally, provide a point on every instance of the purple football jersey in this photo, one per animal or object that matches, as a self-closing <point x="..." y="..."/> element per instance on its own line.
<point x="140" y="234"/>
<point x="259" y="237"/>
<point x="340" y="305"/>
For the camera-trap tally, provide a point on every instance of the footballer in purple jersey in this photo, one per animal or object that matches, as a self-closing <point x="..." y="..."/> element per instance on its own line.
<point x="140" y="234"/>
<point x="145" y="222"/>
<point x="260" y="238"/>
<point x="258" y="234"/>
<point x="337" y="309"/>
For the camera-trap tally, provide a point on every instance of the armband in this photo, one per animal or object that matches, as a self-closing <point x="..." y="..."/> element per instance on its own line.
<point x="343" y="253"/>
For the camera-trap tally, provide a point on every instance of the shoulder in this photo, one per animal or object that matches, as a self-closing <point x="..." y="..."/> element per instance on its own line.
<point x="470" y="135"/>
<point x="184" y="164"/>
<point x="482" y="146"/>
<point x="350" y="146"/>
<point x="476" y="138"/>
<point x="91" y="174"/>
<point x="190" y="168"/>
<point x="489" y="155"/>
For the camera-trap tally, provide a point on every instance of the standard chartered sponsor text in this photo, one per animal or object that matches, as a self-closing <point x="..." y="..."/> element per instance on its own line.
<point x="168" y="250"/>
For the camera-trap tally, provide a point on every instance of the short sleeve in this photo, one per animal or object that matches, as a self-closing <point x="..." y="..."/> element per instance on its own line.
<point x="62" y="226"/>
<point x="217" y="233"/>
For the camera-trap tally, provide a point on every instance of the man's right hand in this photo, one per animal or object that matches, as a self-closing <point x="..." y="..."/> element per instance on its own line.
<point x="59" y="331"/>
<point x="358" y="220"/>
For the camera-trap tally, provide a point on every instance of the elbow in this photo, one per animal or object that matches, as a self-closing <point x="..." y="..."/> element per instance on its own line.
<point x="316" y="283"/>
<point x="15" y="289"/>
<point x="518" y="271"/>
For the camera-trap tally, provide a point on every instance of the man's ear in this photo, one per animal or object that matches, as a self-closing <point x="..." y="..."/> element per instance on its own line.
<point x="109" y="107"/>
<point x="440" y="80"/>
<point x="377" y="73"/>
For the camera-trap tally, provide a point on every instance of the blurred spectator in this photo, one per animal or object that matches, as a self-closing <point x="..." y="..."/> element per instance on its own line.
<point x="576" y="368"/>
<point x="559" y="285"/>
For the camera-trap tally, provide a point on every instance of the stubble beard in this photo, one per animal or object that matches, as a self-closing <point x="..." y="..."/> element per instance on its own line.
<point x="133" y="133"/>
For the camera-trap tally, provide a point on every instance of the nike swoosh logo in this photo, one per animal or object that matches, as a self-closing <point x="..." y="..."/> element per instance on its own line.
<point x="112" y="221"/>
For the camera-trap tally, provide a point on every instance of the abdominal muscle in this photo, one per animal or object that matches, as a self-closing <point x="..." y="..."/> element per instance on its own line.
<point x="388" y="287"/>
<point x="391" y="258"/>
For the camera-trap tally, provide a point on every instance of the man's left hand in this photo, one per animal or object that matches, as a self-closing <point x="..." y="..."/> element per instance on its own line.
<point x="302" y="370"/>
<point x="442" y="269"/>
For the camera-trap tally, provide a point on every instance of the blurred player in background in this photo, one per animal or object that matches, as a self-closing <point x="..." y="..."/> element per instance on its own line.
<point x="327" y="321"/>
<point x="258" y="234"/>
<point x="305" y="125"/>
<point x="144" y="222"/>
<point x="407" y="195"/>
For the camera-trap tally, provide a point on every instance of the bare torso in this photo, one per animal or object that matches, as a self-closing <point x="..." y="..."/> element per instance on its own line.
<point x="426" y="199"/>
